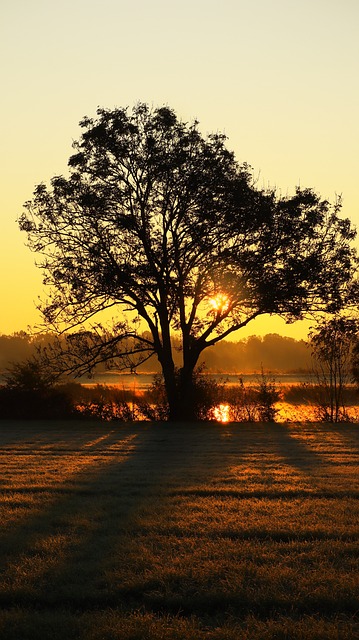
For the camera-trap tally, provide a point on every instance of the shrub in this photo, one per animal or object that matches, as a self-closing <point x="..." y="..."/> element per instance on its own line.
<point x="30" y="392"/>
<point x="207" y="394"/>
<point x="253" y="403"/>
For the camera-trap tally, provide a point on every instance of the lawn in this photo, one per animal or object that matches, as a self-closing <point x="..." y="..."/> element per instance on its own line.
<point x="149" y="532"/>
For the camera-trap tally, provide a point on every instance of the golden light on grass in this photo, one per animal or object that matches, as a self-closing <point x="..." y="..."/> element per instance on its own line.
<point x="221" y="412"/>
<point x="258" y="517"/>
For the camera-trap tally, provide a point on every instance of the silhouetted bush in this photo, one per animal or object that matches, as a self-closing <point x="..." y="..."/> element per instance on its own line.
<point x="106" y="403"/>
<point x="30" y="392"/>
<point x="267" y="396"/>
<point x="308" y="392"/>
<point x="242" y="401"/>
<point x="206" y="392"/>
<point x="30" y="403"/>
<point x="253" y="403"/>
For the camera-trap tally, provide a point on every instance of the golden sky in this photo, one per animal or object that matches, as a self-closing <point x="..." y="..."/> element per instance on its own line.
<point x="279" y="77"/>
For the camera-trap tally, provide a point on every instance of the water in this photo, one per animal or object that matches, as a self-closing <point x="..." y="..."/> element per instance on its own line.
<point x="141" y="381"/>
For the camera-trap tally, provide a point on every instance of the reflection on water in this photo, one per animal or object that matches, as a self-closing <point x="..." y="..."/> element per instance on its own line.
<point x="288" y="412"/>
<point x="297" y="404"/>
<point x="140" y="381"/>
<point x="144" y="380"/>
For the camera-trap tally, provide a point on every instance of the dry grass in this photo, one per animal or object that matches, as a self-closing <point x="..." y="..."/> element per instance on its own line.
<point x="174" y="532"/>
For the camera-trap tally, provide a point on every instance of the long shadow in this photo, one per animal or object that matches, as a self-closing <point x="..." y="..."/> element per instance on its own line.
<point x="136" y="469"/>
<point x="296" y="452"/>
<point x="143" y="474"/>
<point x="320" y="465"/>
<point x="348" y="432"/>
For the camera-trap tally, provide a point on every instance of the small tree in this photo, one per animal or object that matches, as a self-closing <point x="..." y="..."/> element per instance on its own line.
<point x="333" y="342"/>
<point x="268" y="396"/>
<point x="255" y="402"/>
<point x="29" y="375"/>
<point x="30" y="392"/>
<point x="355" y="360"/>
<point x="164" y="224"/>
<point x="242" y="401"/>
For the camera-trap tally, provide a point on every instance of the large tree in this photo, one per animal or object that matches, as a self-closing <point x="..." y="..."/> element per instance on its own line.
<point x="157" y="220"/>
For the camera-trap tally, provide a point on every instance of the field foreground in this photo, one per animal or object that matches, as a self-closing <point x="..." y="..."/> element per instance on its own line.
<point x="149" y="532"/>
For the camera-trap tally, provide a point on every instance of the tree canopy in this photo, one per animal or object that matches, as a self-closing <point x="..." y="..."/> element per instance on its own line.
<point x="158" y="220"/>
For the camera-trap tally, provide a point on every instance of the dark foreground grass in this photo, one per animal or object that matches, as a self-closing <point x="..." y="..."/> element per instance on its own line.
<point x="174" y="532"/>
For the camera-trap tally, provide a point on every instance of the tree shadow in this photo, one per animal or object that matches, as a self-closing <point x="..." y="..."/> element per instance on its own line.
<point x="64" y="555"/>
<point x="95" y="508"/>
<point x="296" y="451"/>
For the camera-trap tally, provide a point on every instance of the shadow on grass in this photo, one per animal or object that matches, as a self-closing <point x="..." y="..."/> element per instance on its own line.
<point x="87" y="514"/>
<point x="63" y="556"/>
<point x="295" y="450"/>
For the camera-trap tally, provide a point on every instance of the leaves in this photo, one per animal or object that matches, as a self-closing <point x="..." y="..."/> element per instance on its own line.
<point x="156" y="219"/>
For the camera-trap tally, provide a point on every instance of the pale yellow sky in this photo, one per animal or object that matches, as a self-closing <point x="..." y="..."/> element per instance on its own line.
<point x="279" y="77"/>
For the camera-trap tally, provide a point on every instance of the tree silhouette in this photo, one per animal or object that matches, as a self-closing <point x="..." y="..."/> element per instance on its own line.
<point x="333" y="344"/>
<point x="163" y="223"/>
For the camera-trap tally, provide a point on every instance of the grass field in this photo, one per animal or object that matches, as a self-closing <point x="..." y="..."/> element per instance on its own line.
<point x="149" y="532"/>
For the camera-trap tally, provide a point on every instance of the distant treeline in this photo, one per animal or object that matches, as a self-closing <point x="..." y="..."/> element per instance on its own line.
<point x="272" y="352"/>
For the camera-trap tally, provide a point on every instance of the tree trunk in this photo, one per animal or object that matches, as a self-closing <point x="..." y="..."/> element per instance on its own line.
<point x="187" y="393"/>
<point x="184" y="408"/>
<point x="171" y="386"/>
<point x="180" y="394"/>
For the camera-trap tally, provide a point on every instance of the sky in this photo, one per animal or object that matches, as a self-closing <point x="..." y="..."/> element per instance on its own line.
<point x="278" y="77"/>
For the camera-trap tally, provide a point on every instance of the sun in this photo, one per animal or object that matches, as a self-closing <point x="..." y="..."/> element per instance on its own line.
<point x="222" y="413"/>
<point x="219" y="303"/>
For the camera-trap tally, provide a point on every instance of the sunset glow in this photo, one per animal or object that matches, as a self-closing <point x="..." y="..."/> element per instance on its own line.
<point x="300" y="137"/>
<point x="221" y="412"/>
<point x="219" y="303"/>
